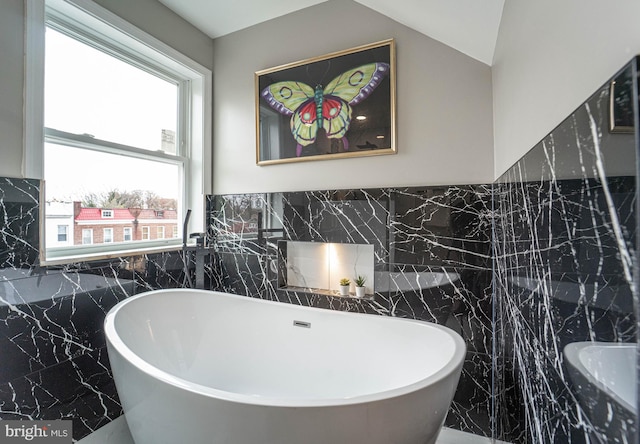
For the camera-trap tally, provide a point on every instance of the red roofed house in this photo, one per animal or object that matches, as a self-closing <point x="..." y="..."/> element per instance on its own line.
<point x="105" y="225"/>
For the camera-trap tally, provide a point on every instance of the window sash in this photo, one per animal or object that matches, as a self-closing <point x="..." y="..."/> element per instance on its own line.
<point x="53" y="135"/>
<point x="86" y="17"/>
<point x="89" y="143"/>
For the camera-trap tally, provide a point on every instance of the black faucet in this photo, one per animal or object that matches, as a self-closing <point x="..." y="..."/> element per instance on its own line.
<point x="185" y="257"/>
<point x="202" y="251"/>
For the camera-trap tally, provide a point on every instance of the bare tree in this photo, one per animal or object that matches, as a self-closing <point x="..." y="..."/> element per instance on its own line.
<point x="128" y="199"/>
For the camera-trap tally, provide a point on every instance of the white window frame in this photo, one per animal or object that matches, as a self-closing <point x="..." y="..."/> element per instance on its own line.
<point x="104" y="235"/>
<point x="90" y="231"/>
<point x="160" y="232"/>
<point x="148" y="230"/>
<point x="86" y="18"/>
<point x="106" y="214"/>
<point x="127" y="231"/>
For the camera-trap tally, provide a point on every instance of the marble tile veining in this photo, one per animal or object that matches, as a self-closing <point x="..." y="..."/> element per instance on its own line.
<point x="565" y="274"/>
<point x="431" y="250"/>
<point x="54" y="363"/>
<point x="525" y="269"/>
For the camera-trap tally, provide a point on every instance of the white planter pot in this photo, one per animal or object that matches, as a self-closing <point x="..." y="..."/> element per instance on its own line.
<point x="360" y="292"/>
<point x="344" y="290"/>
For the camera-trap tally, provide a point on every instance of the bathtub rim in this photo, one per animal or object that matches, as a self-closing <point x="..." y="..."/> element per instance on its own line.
<point x="115" y="342"/>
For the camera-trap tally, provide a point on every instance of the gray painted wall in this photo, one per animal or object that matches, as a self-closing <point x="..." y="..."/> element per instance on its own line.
<point x="449" y="106"/>
<point x="444" y="105"/>
<point x="11" y="82"/>
<point x="550" y="56"/>
<point x="156" y="19"/>
<point x="149" y="15"/>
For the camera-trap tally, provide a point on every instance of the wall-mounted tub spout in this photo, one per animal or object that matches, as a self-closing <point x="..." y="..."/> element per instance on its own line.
<point x="202" y="251"/>
<point x="185" y="228"/>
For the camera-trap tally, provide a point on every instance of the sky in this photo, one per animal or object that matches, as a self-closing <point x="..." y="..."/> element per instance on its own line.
<point x="71" y="173"/>
<point x="85" y="91"/>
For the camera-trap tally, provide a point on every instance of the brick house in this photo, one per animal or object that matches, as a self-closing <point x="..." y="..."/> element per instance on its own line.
<point x="106" y="225"/>
<point x="155" y="224"/>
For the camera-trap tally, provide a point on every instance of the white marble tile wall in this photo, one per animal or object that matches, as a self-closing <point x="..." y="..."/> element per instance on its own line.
<point x="321" y="265"/>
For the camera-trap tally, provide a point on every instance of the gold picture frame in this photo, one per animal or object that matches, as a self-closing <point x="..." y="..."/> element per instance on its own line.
<point x="621" y="103"/>
<point x="338" y="105"/>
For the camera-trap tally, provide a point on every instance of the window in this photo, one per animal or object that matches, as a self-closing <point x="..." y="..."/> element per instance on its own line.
<point x="175" y="231"/>
<point x="62" y="233"/>
<point x="126" y="123"/>
<point x="146" y="233"/>
<point x="87" y="236"/>
<point x="100" y="109"/>
<point x="159" y="214"/>
<point x="160" y="232"/>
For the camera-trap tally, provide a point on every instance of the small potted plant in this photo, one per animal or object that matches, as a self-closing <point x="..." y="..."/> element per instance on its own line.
<point x="344" y="286"/>
<point x="360" y="281"/>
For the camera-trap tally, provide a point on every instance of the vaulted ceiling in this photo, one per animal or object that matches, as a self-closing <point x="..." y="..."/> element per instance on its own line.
<point x="470" y="26"/>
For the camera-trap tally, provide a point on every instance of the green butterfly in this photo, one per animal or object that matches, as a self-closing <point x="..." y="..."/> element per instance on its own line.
<point x="329" y="108"/>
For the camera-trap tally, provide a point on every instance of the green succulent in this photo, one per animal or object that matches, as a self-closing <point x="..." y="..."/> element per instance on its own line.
<point x="345" y="281"/>
<point x="360" y="280"/>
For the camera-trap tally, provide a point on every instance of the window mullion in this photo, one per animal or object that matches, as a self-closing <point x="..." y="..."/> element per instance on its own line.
<point x="91" y="143"/>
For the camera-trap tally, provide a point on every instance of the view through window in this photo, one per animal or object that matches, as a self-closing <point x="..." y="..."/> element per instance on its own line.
<point x="113" y="166"/>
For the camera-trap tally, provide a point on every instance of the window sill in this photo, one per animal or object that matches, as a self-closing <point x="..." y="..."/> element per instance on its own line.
<point x="76" y="258"/>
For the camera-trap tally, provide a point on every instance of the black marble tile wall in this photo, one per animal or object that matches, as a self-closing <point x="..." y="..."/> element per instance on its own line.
<point x="53" y="359"/>
<point x="565" y="280"/>
<point x="532" y="271"/>
<point x="19" y="230"/>
<point x="440" y="232"/>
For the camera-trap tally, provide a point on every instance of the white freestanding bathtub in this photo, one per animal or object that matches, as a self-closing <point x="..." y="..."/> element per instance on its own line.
<point x="195" y="367"/>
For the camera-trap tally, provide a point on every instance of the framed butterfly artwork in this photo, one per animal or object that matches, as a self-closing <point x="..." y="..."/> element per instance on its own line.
<point x="621" y="103"/>
<point x="337" y="105"/>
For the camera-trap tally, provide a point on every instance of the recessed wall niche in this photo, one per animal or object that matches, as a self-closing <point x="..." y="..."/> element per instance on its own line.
<point x="318" y="267"/>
